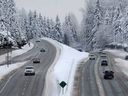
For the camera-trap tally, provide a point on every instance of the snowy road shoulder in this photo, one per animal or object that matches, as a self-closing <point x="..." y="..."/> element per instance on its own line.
<point x="123" y="65"/>
<point x="119" y="60"/>
<point x="64" y="70"/>
<point x="4" y="70"/>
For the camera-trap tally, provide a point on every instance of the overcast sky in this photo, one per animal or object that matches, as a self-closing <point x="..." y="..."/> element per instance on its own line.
<point x="51" y="8"/>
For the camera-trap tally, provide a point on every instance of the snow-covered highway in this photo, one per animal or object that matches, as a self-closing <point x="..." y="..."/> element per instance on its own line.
<point x="61" y="62"/>
<point x="93" y="82"/>
<point x="20" y="85"/>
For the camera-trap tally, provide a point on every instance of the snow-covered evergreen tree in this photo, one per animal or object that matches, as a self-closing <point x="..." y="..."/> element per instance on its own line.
<point x="57" y="30"/>
<point x="69" y="28"/>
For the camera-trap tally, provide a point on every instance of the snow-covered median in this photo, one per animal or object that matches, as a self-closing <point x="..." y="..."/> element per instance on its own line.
<point x="63" y="70"/>
<point x="119" y="59"/>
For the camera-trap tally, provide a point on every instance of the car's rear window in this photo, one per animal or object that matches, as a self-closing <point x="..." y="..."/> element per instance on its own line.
<point x="29" y="67"/>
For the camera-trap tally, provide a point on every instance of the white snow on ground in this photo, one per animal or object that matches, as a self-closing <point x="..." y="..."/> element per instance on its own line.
<point x="123" y="65"/>
<point x="16" y="52"/>
<point x="63" y="70"/>
<point x="4" y="70"/>
<point x="120" y="62"/>
<point x="118" y="53"/>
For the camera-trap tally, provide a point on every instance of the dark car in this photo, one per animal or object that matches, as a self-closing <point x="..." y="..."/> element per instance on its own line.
<point x="38" y="41"/>
<point x="108" y="74"/>
<point x="126" y="57"/>
<point x="42" y="50"/>
<point x="91" y="57"/>
<point x="36" y="60"/>
<point x="104" y="63"/>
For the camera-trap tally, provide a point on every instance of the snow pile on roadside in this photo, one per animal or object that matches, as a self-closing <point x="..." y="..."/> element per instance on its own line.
<point x="118" y="53"/>
<point x="120" y="62"/>
<point x="17" y="52"/>
<point x="4" y="70"/>
<point x="63" y="70"/>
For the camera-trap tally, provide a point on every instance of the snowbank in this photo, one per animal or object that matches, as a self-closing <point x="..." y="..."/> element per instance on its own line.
<point x="120" y="62"/>
<point x="4" y="70"/>
<point x="118" y="53"/>
<point x="63" y="70"/>
<point x="16" y="52"/>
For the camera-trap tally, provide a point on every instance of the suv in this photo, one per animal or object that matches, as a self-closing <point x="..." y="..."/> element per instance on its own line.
<point x="29" y="70"/>
<point x="36" y="60"/>
<point x="104" y="63"/>
<point x="108" y="74"/>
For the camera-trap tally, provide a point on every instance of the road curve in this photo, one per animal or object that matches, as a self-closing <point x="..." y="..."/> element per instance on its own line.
<point x="20" y="85"/>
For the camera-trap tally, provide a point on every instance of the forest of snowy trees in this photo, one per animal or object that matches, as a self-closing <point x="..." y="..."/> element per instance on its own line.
<point x="104" y="22"/>
<point x="18" y="25"/>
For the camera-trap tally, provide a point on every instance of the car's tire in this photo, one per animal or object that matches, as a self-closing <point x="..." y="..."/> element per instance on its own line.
<point x="105" y="77"/>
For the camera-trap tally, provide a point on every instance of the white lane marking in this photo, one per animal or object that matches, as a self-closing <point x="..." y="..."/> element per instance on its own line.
<point x="7" y="82"/>
<point x="98" y="80"/>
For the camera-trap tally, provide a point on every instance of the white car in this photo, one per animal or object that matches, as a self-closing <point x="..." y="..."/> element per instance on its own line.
<point x="29" y="70"/>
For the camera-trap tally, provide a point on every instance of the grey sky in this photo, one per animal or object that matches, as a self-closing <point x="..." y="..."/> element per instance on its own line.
<point x="51" y="8"/>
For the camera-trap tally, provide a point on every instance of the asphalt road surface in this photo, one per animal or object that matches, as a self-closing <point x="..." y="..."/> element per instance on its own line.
<point x="20" y="85"/>
<point x="88" y="82"/>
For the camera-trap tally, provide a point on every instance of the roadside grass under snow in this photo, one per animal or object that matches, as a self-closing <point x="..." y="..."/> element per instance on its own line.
<point x="63" y="70"/>
<point x="4" y="69"/>
<point x="120" y="62"/>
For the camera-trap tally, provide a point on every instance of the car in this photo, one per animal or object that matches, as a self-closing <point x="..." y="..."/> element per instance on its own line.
<point x="104" y="63"/>
<point x="29" y="70"/>
<point x="80" y="50"/>
<point x="37" y="40"/>
<point x="126" y="57"/>
<point x="42" y="50"/>
<point x="36" y="60"/>
<point x="104" y="53"/>
<point x="108" y="74"/>
<point x="91" y="57"/>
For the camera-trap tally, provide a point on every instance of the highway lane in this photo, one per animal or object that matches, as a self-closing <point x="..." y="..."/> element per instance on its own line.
<point x="111" y="87"/>
<point x="88" y="81"/>
<point x="88" y="84"/>
<point x="21" y="85"/>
